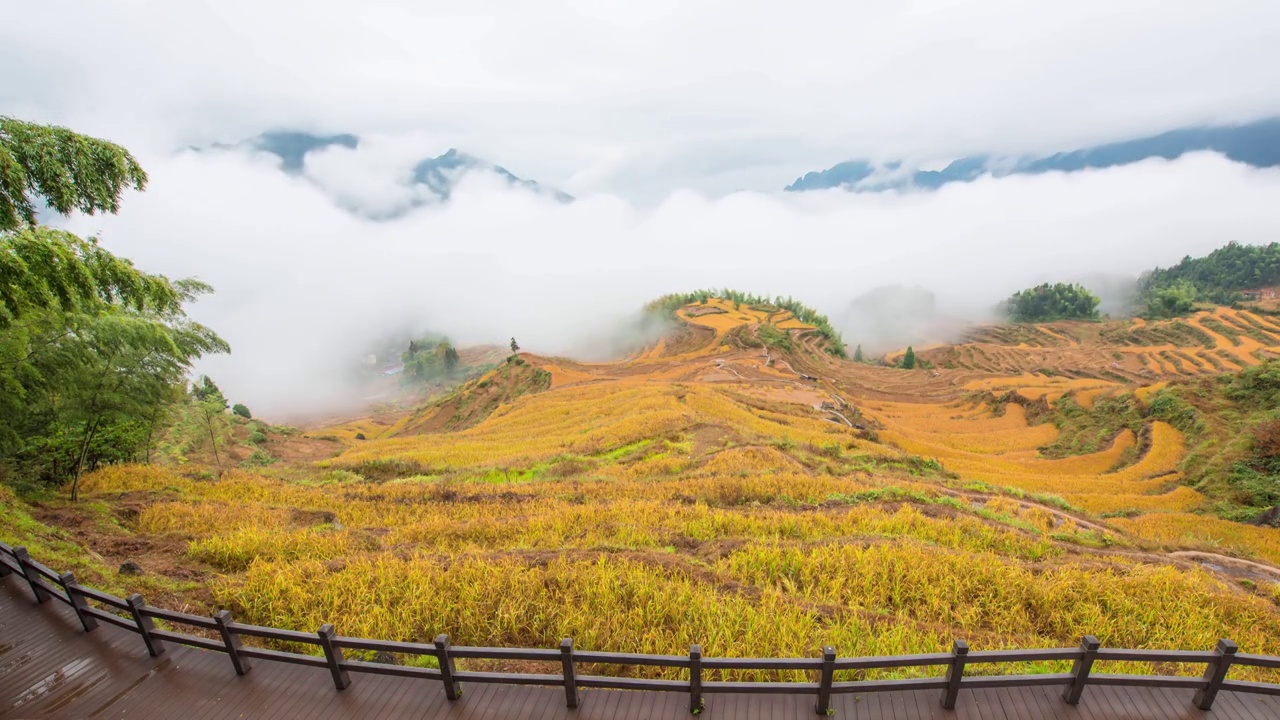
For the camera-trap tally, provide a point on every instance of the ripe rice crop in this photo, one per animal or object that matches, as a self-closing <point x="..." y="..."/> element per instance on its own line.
<point x="645" y="505"/>
<point x="1201" y="532"/>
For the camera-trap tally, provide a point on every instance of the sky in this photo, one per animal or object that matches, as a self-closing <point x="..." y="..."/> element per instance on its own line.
<point x="675" y="124"/>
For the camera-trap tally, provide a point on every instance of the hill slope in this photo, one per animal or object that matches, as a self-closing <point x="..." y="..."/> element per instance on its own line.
<point x="735" y="484"/>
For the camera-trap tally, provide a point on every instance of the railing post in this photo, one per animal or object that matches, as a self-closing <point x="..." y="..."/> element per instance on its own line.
<point x="570" y="678"/>
<point x="30" y="573"/>
<point x="824" y="683"/>
<point x="4" y="568"/>
<point x="955" y="672"/>
<point x="78" y="603"/>
<point x="1080" y="669"/>
<point x="333" y="654"/>
<point x="1215" y="673"/>
<point x="154" y="645"/>
<point x="452" y="689"/>
<point x="695" y="679"/>
<point x="232" y="641"/>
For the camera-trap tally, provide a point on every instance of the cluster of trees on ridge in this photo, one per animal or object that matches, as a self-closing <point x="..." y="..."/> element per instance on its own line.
<point x="1216" y="278"/>
<point x="431" y="358"/>
<point x="667" y="305"/>
<point x="94" y="353"/>
<point x="1046" y="303"/>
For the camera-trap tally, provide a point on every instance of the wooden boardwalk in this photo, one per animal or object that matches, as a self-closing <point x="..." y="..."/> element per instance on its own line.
<point x="50" y="668"/>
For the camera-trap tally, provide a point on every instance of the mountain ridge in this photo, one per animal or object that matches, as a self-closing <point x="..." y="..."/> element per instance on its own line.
<point x="1256" y="144"/>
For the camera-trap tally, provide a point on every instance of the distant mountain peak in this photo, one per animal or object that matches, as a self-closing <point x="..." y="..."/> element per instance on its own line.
<point x="292" y="146"/>
<point x="439" y="174"/>
<point x="442" y="172"/>
<point x="1256" y="144"/>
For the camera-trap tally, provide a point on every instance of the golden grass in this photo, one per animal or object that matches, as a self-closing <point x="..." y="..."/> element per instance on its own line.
<point x="638" y="511"/>
<point x="1201" y="532"/>
<point x="595" y="418"/>
<point x="747" y="565"/>
<point x="1002" y="451"/>
<point x="863" y="600"/>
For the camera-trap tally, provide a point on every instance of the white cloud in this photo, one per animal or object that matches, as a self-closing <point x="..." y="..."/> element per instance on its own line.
<point x="375" y="176"/>
<point x="638" y="98"/>
<point x="303" y="286"/>
<point x="654" y="114"/>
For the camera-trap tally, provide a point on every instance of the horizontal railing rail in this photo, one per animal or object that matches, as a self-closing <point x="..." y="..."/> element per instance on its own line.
<point x="134" y="615"/>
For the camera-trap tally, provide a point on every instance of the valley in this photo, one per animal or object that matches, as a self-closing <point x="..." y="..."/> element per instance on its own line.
<point x="740" y="485"/>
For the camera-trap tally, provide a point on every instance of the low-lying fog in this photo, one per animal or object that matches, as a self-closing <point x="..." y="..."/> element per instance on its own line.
<point x="305" y="287"/>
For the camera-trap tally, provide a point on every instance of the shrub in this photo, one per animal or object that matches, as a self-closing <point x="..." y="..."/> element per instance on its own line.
<point x="1174" y="410"/>
<point x="1266" y="440"/>
<point x="242" y="411"/>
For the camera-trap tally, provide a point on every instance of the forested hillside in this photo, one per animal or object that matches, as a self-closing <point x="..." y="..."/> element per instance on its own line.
<point x="1219" y="277"/>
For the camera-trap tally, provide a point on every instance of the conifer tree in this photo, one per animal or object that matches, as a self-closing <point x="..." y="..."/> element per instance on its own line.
<point x="909" y="359"/>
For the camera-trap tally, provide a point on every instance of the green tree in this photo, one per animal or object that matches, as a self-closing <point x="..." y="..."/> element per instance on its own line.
<point x="1046" y="303"/>
<point x="427" y="361"/>
<point x="65" y="170"/>
<point x="1176" y="298"/>
<point x="449" y="358"/>
<point x="515" y="346"/>
<point x="1219" y="277"/>
<point x="91" y="348"/>
<point x="212" y="407"/>
<point x="909" y="359"/>
<point x="857" y="354"/>
<point x="241" y="410"/>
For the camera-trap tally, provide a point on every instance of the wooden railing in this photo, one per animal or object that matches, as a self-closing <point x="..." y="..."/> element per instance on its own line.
<point x="138" y="617"/>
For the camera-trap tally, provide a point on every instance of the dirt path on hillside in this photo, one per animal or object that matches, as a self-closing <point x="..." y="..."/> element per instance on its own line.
<point x="1214" y="559"/>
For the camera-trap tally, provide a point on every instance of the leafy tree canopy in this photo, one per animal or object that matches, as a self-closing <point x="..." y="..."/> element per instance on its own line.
<point x="65" y="170"/>
<point x="46" y="269"/>
<point x="1218" y="278"/>
<point x="1176" y="298"/>
<point x="93" y="351"/>
<point x="1046" y="303"/>
<point x="430" y="359"/>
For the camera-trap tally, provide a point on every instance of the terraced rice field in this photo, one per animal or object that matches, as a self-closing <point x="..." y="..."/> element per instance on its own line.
<point x="713" y="488"/>
<point x="1221" y="340"/>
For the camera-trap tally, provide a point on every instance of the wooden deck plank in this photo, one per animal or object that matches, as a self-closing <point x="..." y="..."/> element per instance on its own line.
<point x="185" y="680"/>
<point x="1120" y="705"/>
<point x="475" y="698"/>
<point x="375" y="693"/>
<point x="551" y="708"/>
<point x="1234" y="702"/>
<point x="988" y="705"/>
<point x="1263" y="707"/>
<point x="629" y="706"/>
<point x="1031" y="701"/>
<point x="928" y="706"/>
<point x="237" y="696"/>
<point x="1173" y="707"/>
<point x="1049" y="700"/>
<point x="531" y="701"/>
<point x="33" y="654"/>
